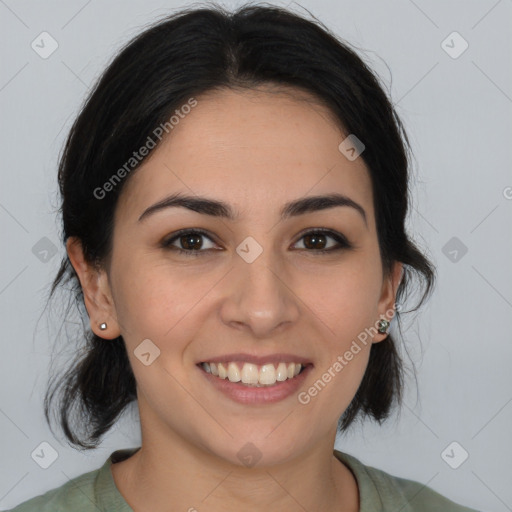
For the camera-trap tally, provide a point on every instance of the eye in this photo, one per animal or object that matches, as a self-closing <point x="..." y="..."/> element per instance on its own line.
<point x="318" y="237"/>
<point x="189" y="239"/>
<point x="191" y="243"/>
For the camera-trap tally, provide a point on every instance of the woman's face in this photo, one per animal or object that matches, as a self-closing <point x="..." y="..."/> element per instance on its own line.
<point x="257" y="288"/>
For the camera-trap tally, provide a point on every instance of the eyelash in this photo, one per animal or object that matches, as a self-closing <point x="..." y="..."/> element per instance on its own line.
<point x="343" y="243"/>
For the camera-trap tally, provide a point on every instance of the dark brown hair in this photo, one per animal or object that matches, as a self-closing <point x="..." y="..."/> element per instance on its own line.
<point x="191" y="52"/>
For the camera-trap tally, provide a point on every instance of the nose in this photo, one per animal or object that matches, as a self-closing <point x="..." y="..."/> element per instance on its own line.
<point x="260" y="297"/>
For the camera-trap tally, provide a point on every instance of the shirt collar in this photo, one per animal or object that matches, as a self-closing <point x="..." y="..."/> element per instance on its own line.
<point x="109" y="498"/>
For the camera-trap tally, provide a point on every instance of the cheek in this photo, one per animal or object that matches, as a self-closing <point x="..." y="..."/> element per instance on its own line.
<point x="345" y="305"/>
<point x="154" y="300"/>
<point x="335" y="385"/>
<point x="345" y="299"/>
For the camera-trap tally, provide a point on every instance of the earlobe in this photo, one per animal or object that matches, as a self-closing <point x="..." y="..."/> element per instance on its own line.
<point x="387" y="303"/>
<point x="96" y="291"/>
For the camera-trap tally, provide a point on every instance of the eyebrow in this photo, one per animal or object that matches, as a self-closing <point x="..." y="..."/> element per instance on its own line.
<point x="216" y="208"/>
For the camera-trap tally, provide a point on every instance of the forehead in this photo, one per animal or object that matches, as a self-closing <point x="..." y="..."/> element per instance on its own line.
<point x="254" y="149"/>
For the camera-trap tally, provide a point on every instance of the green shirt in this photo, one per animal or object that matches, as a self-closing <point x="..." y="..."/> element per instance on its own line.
<point x="378" y="492"/>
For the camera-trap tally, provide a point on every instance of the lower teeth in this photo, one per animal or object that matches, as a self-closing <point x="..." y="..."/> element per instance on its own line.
<point x="258" y="385"/>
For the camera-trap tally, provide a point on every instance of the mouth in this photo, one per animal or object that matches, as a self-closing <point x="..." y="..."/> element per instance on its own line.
<point x="254" y="375"/>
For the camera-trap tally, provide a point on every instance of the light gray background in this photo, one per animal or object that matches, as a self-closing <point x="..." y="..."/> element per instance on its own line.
<point x="458" y="115"/>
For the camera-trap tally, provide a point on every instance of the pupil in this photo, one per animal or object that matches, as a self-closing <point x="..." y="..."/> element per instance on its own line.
<point x="192" y="245"/>
<point x="314" y="239"/>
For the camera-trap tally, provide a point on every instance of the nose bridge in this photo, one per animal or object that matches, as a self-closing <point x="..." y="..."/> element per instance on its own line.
<point x="260" y="298"/>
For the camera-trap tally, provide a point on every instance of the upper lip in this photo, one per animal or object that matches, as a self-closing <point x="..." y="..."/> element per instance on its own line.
<point x="258" y="360"/>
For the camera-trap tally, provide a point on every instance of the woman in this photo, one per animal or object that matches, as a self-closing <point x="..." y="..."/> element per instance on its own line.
<point x="234" y="195"/>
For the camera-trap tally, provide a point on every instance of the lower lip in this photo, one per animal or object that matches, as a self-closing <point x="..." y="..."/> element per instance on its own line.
<point x="253" y="395"/>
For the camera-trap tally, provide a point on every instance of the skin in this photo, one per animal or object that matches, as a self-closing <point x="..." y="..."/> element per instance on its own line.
<point x="255" y="150"/>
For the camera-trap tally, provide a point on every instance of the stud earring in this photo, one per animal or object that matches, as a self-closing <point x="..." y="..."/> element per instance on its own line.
<point x="103" y="326"/>
<point x="383" y="326"/>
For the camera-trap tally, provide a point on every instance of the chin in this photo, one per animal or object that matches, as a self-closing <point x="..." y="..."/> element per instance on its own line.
<point x="259" y="449"/>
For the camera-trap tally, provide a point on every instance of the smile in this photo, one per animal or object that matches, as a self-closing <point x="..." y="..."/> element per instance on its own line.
<point x="253" y="375"/>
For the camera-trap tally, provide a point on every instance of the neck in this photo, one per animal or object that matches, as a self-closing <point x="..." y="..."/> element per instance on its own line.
<point x="169" y="470"/>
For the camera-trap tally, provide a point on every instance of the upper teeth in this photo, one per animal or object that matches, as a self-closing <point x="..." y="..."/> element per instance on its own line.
<point x="252" y="374"/>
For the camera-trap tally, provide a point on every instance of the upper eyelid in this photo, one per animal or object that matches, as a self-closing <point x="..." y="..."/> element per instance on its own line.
<point x="329" y="232"/>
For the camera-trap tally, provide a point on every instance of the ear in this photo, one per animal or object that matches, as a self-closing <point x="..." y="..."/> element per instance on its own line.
<point x="96" y="290"/>
<point x="387" y="299"/>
